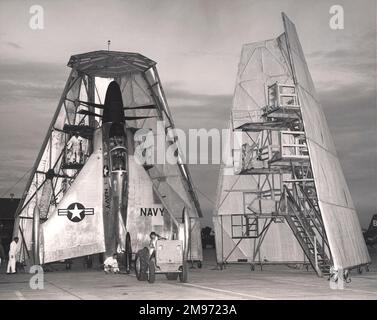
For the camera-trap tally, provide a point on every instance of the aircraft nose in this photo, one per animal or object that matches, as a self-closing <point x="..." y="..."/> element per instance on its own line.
<point x="113" y="91"/>
<point x="113" y="87"/>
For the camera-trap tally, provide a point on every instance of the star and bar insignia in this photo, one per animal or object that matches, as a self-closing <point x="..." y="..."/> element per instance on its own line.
<point x="76" y="212"/>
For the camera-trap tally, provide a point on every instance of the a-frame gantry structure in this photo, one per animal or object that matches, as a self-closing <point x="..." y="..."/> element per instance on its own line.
<point x="169" y="185"/>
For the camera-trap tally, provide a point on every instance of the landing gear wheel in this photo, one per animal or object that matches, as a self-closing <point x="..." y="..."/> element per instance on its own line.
<point x="252" y="267"/>
<point x="183" y="275"/>
<point x="128" y="253"/>
<point x="346" y="276"/>
<point x="172" y="276"/>
<point x="367" y="268"/>
<point x="360" y="270"/>
<point x="152" y="270"/>
<point x="141" y="264"/>
<point x="199" y="264"/>
<point x="334" y="277"/>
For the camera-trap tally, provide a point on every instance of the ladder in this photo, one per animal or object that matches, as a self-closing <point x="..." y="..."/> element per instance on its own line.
<point x="302" y="226"/>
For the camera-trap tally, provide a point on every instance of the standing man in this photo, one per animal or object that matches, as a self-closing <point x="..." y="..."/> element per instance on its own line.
<point x="74" y="148"/>
<point x="12" y="256"/>
<point x="153" y="242"/>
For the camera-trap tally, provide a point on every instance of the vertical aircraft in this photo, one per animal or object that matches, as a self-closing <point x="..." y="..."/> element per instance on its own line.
<point x="107" y="201"/>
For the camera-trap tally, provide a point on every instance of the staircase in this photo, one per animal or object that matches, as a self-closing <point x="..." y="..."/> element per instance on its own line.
<point x="305" y="228"/>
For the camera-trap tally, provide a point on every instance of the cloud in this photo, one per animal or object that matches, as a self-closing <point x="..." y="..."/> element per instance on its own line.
<point x="29" y="92"/>
<point x="192" y="110"/>
<point x="13" y="45"/>
<point x="351" y="114"/>
<point x="352" y="62"/>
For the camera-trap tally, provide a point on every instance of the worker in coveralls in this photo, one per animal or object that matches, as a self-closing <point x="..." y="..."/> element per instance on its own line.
<point x="111" y="264"/>
<point x="12" y="256"/>
<point x="153" y="242"/>
<point x="74" y="148"/>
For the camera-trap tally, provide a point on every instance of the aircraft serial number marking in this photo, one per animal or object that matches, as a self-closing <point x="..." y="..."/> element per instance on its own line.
<point x="107" y="198"/>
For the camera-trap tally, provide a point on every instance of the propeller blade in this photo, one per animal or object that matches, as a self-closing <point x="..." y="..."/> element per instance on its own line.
<point x="89" y="113"/>
<point x="137" y="118"/>
<point x="92" y="104"/>
<point x="150" y="106"/>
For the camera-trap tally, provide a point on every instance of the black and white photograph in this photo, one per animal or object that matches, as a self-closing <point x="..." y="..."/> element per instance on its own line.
<point x="208" y="151"/>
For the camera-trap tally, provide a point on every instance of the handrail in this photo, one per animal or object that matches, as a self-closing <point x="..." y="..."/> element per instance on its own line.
<point x="311" y="204"/>
<point x="304" y="224"/>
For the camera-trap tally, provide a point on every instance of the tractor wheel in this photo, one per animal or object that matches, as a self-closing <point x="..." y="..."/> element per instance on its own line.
<point x="128" y="253"/>
<point x="141" y="264"/>
<point x="183" y="275"/>
<point x="152" y="270"/>
<point x="172" y="276"/>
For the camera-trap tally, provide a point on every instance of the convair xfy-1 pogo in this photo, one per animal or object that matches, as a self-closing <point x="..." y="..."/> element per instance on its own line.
<point x="87" y="194"/>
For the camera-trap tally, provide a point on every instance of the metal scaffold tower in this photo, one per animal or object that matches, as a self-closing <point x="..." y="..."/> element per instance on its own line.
<point x="282" y="198"/>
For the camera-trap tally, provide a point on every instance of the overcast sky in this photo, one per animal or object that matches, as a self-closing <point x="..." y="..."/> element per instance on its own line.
<point x="197" y="45"/>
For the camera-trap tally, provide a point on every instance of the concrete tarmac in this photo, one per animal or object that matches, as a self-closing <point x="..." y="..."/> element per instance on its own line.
<point x="234" y="282"/>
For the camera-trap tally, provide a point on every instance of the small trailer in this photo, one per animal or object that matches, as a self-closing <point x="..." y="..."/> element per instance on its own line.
<point x="169" y="257"/>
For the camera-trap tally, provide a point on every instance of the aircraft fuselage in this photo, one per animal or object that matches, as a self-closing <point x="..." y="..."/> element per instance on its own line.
<point x="115" y="160"/>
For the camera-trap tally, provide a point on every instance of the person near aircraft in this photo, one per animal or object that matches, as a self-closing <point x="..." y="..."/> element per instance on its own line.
<point x="152" y="243"/>
<point x="11" y="268"/>
<point x="111" y="264"/>
<point x="74" y="149"/>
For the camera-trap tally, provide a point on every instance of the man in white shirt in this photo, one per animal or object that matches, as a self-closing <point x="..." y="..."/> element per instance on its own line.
<point x="12" y="256"/>
<point x="111" y="264"/>
<point x="74" y="148"/>
<point x="153" y="242"/>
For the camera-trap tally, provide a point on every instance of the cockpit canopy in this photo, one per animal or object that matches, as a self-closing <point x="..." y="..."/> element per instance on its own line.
<point x="118" y="159"/>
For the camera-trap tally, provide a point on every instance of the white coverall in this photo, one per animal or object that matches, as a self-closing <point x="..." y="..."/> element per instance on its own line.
<point x="152" y="245"/>
<point x="74" y="148"/>
<point x="12" y="257"/>
<point x="111" y="265"/>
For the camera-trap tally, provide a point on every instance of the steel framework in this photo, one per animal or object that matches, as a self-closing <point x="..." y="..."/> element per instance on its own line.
<point x="52" y="175"/>
<point x="284" y="199"/>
